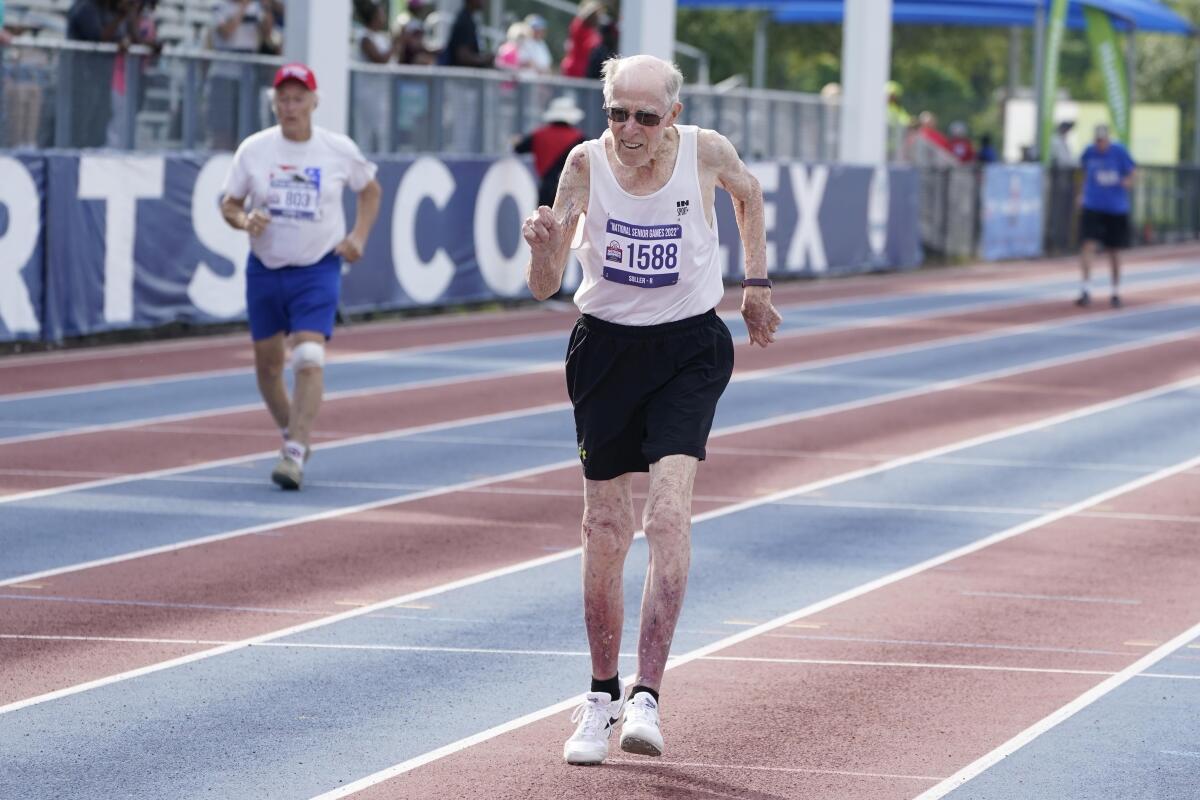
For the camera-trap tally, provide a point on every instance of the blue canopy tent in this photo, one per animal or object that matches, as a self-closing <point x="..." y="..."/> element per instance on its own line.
<point x="1148" y="16"/>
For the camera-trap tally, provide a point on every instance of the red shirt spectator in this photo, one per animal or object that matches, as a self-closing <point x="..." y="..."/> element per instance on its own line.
<point x="583" y="35"/>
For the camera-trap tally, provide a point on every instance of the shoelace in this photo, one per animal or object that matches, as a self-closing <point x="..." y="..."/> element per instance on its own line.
<point x="592" y="716"/>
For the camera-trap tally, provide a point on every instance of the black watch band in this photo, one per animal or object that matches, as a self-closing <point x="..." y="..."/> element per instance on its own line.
<point x="756" y="282"/>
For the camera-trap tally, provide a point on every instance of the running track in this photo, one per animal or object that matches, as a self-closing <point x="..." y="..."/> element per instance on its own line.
<point x="945" y="545"/>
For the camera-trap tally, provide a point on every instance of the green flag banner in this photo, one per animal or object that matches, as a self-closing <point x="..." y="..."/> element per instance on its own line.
<point x="1056" y="25"/>
<point x="1106" y="51"/>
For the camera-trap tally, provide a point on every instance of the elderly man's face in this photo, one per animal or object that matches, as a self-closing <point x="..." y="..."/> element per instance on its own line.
<point x="294" y="104"/>
<point x="634" y="142"/>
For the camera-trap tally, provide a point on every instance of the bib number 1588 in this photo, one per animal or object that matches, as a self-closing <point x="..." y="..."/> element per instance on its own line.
<point x="654" y="256"/>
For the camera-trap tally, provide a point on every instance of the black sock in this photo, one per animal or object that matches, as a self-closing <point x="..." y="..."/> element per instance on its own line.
<point x="611" y="685"/>
<point x="646" y="689"/>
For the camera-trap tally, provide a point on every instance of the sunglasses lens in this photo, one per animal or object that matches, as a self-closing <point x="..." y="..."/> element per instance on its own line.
<point x="648" y="119"/>
<point x="618" y="114"/>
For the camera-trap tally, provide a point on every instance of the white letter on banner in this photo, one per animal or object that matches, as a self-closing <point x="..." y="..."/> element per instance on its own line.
<point x="19" y="196"/>
<point x="120" y="181"/>
<point x="219" y="295"/>
<point x="508" y="177"/>
<point x="422" y="281"/>
<point x="768" y="177"/>
<point x="808" y="248"/>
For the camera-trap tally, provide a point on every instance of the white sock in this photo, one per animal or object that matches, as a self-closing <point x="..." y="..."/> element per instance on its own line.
<point x="294" y="451"/>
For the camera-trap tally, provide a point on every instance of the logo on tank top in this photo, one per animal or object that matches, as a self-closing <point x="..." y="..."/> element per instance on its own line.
<point x="681" y="208"/>
<point x="613" y="252"/>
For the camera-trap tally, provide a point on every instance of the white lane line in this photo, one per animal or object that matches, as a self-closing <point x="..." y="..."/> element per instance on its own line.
<point x="1056" y="598"/>
<point x="729" y="430"/>
<point x="917" y="665"/>
<point x="850" y="594"/>
<point x="853" y="323"/>
<point x="99" y="601"/>
<point x="754" y="768"/>
<point x="962" y="645"/>
<point x="761" y="374"/>
<point x="143" y="422"/>
<point x="721" y="512"/>
<point x="1084" y="700"/>
<point x="1184" y="753"/>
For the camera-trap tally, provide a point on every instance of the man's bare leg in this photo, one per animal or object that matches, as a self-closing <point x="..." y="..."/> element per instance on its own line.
<point x="607" y="533"/>
<point x="307" y="393"/>
<point x="667" y="521"/>
<point x="268" y="369"/>
<point x="1085" y="264"/>
<point x="1114" y="260"/>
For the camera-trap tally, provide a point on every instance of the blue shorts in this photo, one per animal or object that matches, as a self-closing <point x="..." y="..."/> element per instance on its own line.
<point x="292" y="299"/>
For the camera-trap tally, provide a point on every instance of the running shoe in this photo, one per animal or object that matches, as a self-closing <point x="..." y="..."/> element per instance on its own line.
<point x="1083" y="300"/>
<point x="640" y="732"/>
<point x="287" y="473"/>
<point x="595" y="716"/>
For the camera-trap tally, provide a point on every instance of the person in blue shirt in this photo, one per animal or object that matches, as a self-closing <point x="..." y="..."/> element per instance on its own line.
<point x="1108" y="173"/>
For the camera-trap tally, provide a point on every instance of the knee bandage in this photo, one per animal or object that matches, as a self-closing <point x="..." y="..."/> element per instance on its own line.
<point x="308" y="354"/>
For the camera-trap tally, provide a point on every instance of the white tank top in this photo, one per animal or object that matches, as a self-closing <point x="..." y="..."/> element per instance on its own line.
<point x="652" y="259"/>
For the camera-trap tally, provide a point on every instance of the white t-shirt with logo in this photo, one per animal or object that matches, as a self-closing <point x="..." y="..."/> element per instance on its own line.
<point x="649" y="259"/>
<point x="300" y="185"/>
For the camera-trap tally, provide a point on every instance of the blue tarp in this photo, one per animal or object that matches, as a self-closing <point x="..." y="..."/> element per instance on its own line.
<point x="1144" y="15"/>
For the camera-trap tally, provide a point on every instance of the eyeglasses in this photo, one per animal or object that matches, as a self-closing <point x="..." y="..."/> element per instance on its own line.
<point x="618" y="114"/>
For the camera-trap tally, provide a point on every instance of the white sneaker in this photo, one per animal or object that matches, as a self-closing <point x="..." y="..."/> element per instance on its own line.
<point x="596" y="716"/>
<point x="641" y="733"/>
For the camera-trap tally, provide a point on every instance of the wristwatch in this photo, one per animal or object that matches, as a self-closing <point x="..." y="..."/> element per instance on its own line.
<point x="756" y="282"/>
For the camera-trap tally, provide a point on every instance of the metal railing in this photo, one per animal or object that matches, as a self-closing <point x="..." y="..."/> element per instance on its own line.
<point x="78" y="95"/>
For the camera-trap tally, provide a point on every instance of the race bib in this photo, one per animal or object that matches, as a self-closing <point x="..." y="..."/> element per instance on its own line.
<point x="1107" y="177"/>
<point x="646" y="256"/>
<point x="295" y="193"/>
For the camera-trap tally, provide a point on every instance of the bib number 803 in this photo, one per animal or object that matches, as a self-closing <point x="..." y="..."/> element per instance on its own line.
<point x="654" y="256"/>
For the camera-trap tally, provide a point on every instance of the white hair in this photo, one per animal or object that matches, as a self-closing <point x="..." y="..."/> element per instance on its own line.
<point x="671" y="76"/>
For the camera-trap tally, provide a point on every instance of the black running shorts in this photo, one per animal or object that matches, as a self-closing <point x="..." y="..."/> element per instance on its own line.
<point x="1111" y="230"/>
<point x="644" y="392"/>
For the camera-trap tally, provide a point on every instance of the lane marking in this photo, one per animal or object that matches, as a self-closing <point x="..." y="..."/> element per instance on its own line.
<point x="1058" y="598"/>
<point x="1184" y="753"/>
<point x="345" y="394"/>
<point x="964" y="645"/>
<point x="1058" y="325"/>
<point x="729" y="430"/>
<point x="835" y="662"/>
<point x="529" y="564"/>
<point x="1064" y="713"/>
<point x="862" y="589"/>
<point x="753" y="768"/>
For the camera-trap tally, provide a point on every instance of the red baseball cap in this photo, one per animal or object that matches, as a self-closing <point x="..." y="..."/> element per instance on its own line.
<point x="295" y="72"/>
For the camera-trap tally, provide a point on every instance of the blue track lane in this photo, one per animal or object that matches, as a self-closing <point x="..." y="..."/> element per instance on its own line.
<point x="1142" y="740"/>
<point x="79" y="525"/>
<point x="127" y="403"/>
<point x="314" y="717"/>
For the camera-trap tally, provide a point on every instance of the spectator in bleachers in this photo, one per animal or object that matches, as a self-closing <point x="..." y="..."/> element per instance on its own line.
<point x="582" y="36"/>
<point x="463" y="48"/>
<point x="610" y="40"/>
<point x="88" y="74"/>
<point x="536" y="52"/>
<point x="372" y="105"/>
<point x="412" y="48"/>
<point x="551" y="144"/>
<point x="959" y="143"/>
<point x="510" y="55"/>
<point x="141" y="30"/>
<point x="239" y="26"/>
<point x="5" y="34"/>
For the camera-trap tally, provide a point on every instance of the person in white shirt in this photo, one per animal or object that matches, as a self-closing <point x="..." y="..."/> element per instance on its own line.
<point x="647" y="361"/>
<point x="240" y="27"/>
<point x="285" y="189"/>
<point x="535" y="53"/>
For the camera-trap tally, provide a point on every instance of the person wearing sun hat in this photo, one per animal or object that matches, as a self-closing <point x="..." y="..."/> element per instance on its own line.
<point x="284" y="189"/>
<point x="551" y="143"/>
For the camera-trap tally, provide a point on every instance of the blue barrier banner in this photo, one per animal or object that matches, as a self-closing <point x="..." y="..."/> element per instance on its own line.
<point x="22" y="249"/>
<point x="1011" y="222"/>
<point x="137" y="241"/>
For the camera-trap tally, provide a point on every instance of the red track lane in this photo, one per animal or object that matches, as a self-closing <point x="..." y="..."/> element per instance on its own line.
<point x="742" y="729"/>
<point x="38" y="372"/>
<point x="317" y="568"/>
<point x="41" y="464"/>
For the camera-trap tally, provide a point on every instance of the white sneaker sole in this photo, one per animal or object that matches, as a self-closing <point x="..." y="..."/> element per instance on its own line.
<point x="639" y="746"/>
